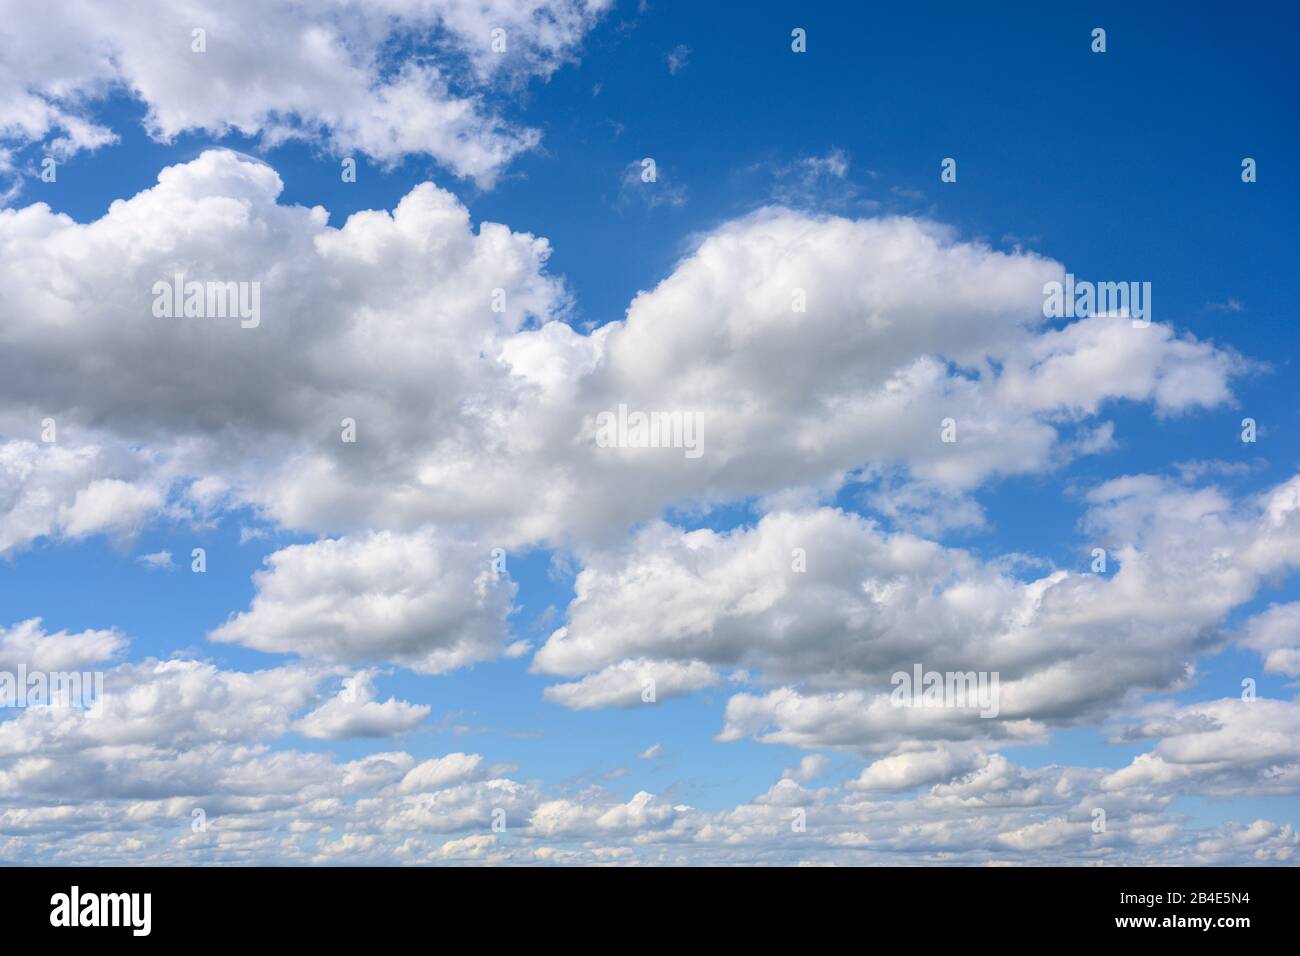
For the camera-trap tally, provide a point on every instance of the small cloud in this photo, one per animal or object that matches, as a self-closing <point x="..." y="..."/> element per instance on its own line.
<point x="834" y="164"/>
<point x="816" y="181"/>
<point x="158" y="561"/>
<point x="1018" y="242"/>
<point x="357" y="712"/>
<point x="207" y="493"/>
<point x="678" y="58"/>
<point x="653" y="752"/>
<point x="1232" y="305"/>
<point x="647" y="184"/>
<point x="1192" y="472"/>
<point x="810" y="768"/>
<point x="913" y="195"/>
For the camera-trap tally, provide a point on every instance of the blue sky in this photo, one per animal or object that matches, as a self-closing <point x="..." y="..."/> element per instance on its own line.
<point x="1123" y="165"/>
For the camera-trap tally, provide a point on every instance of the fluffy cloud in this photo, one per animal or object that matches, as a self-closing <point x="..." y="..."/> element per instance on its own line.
<point x="1276" y="635"/>
<point x="866" y="723"/>
<point x="107" y="505"/>
<point x="474" y="405"/>
<point x="644" y="811"/>
<point x="385" y="321"/>
<point x="905" y="771"/>
<point x="632" y="683"/>
<point x="810" y="767"/>
<point x="281" y="70"/>
<point x="430" y="604"/>
<point x="27" y="644"/>
<point x="476" y="430"/>
<point x="52" y="491"/>
<point x="167" y="704"/>
<point x="830" y="605"/>
<point x="356" y="713"/>
<point x="441" y="772"/>
<point x="181" y="739"/>
<point x="1261" y="842"/>
<point x="1226" y="747"/>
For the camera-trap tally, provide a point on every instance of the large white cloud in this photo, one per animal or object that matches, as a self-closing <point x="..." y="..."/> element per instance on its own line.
<point x="418" y="599"/>
<point x="830" y="605"/>
<point x="1228" y="747"/>
<point x="277" y="69"/>
<point x="172" y="704"/>
<point x="467" y="414"/>
<point x="27" y="644"/>
<point x="384" y="321"/>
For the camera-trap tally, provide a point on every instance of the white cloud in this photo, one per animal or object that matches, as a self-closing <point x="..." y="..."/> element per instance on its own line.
<point x="643" y="812"/>
<point x="1276" y="634"/>
<point x="429" y="604"/>
<point x="1226" y="747"/>
<point x="29" y="645"/>
<point x="280" y="70"/>
<point x="475" y="433"/>
<point x="168" y="704"/>
<point x="911" y="769"/>
<point x="108" y="505"/>
<point x="810" y="767"/>
<point x="182" y="735"/>
<point x="355" y="712"/>
<point x="455" y="768"/>
<point x="1066" y="646"/>
<point x="156" y="560"/>
<point x="633" y="683"/>
<point x="677" y="58"/>
<point x="65" y="491"/>
<point x="468" y="415"/>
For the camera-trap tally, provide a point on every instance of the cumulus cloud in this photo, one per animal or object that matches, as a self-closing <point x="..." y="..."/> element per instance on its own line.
<point x="810" y="767"/>
<point x="181" y="735"/>
<point x="441" y="772"/>
<point x="1261" y="842"/>
<point x="906" y="771"/>
<point x="858" y="721"/>
<point x="418" y="600"/>
<point x="1276" y="634"/>
<point x="355" y="712"/>
<point x="57" y="492"/>
<point x="281" y="70"/>
<point x="167" y="704"/>
<point x="29" y="645"/>
<point x="632" y="683"/>
<point x="831" y="606"/>
<point x="107" y="505"/>
<point x="474" y="403"/>
<point x="1227" y="747"/>
<point x="445" y="342"/>
<point x="643" y="812"/>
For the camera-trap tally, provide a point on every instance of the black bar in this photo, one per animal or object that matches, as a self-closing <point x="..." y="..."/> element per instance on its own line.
<point x="965" y="906"/>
